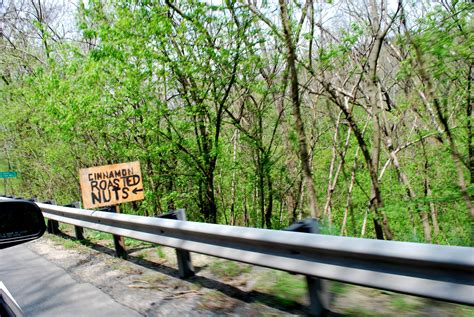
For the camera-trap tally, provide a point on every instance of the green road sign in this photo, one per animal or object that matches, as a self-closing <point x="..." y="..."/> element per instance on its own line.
<point x="7" y="174"/>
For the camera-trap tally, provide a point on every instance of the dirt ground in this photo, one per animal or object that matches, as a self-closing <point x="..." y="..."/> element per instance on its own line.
<point x="148" y="283"/>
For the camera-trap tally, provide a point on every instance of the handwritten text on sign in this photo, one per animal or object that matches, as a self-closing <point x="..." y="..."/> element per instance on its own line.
<point x="111" y="184"/>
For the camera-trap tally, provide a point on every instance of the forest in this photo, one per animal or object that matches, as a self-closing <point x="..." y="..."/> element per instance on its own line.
<point x="249" y="113"/>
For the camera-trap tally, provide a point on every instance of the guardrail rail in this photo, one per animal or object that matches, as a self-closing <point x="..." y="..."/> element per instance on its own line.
<point x="427" y="270"/>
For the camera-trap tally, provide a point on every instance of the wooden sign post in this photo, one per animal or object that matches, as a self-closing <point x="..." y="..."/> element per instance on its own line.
<point x="110" y="185"/>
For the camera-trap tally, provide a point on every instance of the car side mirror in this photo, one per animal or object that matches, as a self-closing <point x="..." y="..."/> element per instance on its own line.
<point x="20" y="221"/>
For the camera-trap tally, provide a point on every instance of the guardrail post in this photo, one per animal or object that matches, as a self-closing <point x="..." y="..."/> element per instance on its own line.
<point x="119" y="243"/>
<point x="319" y="297"/>
<point x="79" y="231"/>
<point x="185" y="265"/>
<point x="53" y="225"/>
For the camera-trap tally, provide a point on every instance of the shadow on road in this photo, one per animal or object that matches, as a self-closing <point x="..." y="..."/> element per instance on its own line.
<point x="284" y="305"/>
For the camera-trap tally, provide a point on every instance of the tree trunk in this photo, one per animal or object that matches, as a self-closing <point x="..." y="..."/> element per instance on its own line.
<point x="295" y="96"/>
<point x="210" y="206"/>
<point x="269" y="210"/>
<point x="349" y="197"/>
<point x="411" y="193"/>
<point x="405" y="181"/>
<point x="433" y="209"/>
<point x="327" y="206"/>
<point x="375" y="202"/>
<point x="246" y="213"/>
<point x="292" y="192"/>
<point x="364" y="223"/>
<point x="470" y="145"/>
<point x="427" y="191"/>
<point x="334" y="178"/>
<point x="261" y="190"/>
<point x="431" y="98"/>
<point x="234" y="183"/>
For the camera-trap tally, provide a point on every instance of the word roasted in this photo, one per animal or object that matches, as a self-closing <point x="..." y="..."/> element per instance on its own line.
<point x="110" y="185"/>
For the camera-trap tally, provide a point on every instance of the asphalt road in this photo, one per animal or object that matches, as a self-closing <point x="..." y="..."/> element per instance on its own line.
<point x="42" y="288"/>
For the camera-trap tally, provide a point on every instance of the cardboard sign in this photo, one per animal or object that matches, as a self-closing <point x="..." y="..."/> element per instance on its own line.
<point x="110" y="185"/>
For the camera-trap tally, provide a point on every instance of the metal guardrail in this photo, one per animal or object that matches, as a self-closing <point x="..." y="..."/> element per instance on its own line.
<point x="434" y="271"/>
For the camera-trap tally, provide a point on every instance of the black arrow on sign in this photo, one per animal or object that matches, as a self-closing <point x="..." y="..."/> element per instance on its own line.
<point x="136" y="190"/>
